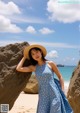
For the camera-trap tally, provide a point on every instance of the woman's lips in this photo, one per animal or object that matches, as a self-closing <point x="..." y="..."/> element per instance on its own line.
<point x="37" y="57"/>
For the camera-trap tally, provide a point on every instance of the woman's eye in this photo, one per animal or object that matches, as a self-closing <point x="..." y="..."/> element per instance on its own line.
<point x="35" y="53"/>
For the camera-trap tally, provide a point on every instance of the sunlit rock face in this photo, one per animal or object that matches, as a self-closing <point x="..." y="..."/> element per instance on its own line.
<point x="73" y="94"/>
<point x="11" y="81"/>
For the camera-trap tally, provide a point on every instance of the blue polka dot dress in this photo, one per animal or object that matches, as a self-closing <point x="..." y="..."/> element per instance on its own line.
<point x="51" y="97"/>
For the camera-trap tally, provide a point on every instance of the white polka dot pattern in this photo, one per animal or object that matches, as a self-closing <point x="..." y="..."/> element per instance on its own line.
<point x="51" y="97"/>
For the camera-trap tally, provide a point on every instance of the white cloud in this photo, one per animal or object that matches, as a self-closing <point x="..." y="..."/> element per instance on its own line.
<point x="63" y="12"/>
<point x="6" y="10"/>
<point x="9" y="8"/>
<point x="31" y="29"/>
<point x="26" y="19"/>
<point x="56" y="44"/>
<point x="69" y="59"/>
<point x="52" y="54"/>
<point x="45" y="44"/>
<point x="6" y="42"/>
<point x="6" y="26"/>
<point x="46" y="31"/>
<point x="19" y="2"/>
<point x="12" y="11"/>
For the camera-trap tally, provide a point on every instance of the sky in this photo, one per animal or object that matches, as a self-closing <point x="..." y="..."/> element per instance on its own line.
<point x="55" y="24"/>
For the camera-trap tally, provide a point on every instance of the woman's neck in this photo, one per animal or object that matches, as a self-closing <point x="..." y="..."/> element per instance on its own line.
<point x="41" y="62"/>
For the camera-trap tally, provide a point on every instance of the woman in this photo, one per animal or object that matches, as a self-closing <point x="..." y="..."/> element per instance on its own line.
<point x="51" y="96"/>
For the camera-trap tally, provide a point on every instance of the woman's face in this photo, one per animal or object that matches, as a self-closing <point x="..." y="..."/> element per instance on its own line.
<point x="36" y="54"/>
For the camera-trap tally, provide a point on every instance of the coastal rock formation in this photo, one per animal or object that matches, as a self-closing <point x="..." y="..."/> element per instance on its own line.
<point x="11" y="81"/>
<point x="32" y="86"/>
<point x="73" y="94"/>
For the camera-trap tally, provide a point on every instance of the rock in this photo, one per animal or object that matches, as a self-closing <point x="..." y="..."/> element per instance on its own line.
<point x="11" y="81"/>
<point x="32" y="86"/>
<point x="73" y="94"/>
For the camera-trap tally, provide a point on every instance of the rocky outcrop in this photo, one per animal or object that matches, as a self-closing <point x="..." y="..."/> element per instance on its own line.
<point x="11" y="81"/>
<point x="73" y="94"/>
<point x="32" y="86"/>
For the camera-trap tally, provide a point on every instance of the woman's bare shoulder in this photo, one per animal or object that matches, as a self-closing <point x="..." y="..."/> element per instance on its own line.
<point x="52" y="65"/>
<point x="51" y="62"/>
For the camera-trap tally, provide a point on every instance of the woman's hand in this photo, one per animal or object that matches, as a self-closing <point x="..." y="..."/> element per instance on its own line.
<point x="24" y="57"/>
<point x="20" y="64"/>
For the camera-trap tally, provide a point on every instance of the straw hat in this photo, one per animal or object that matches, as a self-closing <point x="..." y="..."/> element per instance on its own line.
<point x="27" y="49"/>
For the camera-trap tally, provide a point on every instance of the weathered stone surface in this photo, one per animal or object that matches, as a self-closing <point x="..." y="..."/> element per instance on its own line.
<point x="11" y="81"/>
<point x="32" y="86"/>
<point x="73" y="94"/>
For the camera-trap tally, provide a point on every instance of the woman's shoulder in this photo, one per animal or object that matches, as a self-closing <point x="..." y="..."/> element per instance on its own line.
<point x="50" y="62"/>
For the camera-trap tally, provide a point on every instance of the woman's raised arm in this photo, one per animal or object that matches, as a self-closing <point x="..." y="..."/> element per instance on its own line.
<point x="24" y="69"/>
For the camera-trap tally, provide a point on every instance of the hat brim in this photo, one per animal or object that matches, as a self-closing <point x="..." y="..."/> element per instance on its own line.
<point x="27" y="49"/>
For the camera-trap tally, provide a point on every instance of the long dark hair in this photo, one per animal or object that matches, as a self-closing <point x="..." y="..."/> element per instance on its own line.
<point x="34" y="62"/>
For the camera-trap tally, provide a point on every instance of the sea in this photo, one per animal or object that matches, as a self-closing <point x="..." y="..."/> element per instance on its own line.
<point x="66" y="72"/>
